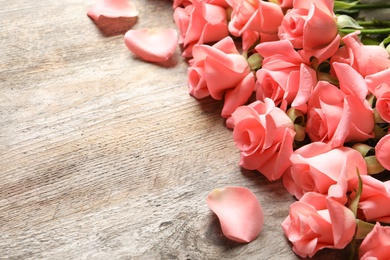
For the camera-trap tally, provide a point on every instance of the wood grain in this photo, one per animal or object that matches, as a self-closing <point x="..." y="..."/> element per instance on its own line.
<point x="104" y="156"/>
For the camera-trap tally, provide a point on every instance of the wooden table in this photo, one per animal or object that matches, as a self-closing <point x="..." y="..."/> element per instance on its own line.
<point x="105" y="156"/>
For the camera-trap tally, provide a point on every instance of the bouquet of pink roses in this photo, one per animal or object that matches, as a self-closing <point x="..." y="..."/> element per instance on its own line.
<point x="305" y="86"/>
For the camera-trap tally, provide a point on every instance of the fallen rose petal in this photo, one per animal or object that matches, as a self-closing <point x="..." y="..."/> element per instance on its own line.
<point x="113" y="17"/>
<point x="152" y="45"/>
<point x="239" y="212"/>
<point x="112" y="9"/>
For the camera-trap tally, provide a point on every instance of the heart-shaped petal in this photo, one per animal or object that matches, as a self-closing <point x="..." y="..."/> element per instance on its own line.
<point x="113" y="17"/>
<point x="152" y="45"/>
<point x="239" y="212"/>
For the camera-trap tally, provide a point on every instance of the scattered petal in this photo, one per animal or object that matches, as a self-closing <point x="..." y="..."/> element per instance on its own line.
<point x="152" y="45"/>
<point x="113" y="17"/>
<point x="239" y="212"/>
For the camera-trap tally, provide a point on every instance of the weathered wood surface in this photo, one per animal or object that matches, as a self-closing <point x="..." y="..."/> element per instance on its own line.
<point x="104" y="156"/>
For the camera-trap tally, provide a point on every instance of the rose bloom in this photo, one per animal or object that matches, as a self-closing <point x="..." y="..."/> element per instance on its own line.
<point x="317" y="166"/>
<point x="200" y="23"/>
<point x="286" y="86"/>
<point x="316" y="222"/>
<point x="310" y="24"/>
<point x="222" y="72"/>
<point x="254" y="15"/>
<point x="366" y="59"/>
<point x="338" y="115"/>
<point x="283" y="77"/>
<point x="379" y="85"/>
<point x="382" y="151"/>
<point x="376" y="245"/>
<point x="264" y="135"/>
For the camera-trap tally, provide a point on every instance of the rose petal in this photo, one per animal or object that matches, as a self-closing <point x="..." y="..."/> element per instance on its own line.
<point x="343" y="223"/>
<point x="152" y="45"/>
<point x="239" y="212"/>
<point x="113" y="17"/>
<point x="112" y="9"/>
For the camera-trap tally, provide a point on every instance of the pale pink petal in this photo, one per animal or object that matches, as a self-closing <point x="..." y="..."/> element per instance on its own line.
<point x="351" y="82"/>
<point x="152" y="45"/>
<point x="239" y="212"/>
<point x="343" y="223"/>
<point x="317" y="200"/>
<point x="275" y="166"/>
<point x="307" y="81"/>
<point x="113" y="17"/>
<point x="238" y="96"/>
<point x="112" y="9"/>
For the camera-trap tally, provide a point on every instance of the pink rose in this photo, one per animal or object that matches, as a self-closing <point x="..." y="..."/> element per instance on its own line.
<point x="310" y="24"/>
<point x="283" y="77"/>
<point x="286" y="87"/>
<point x="375" y="199"/>
<point x="264" y="135"/>
<point x="366" y="59"/>
<point x="376" y="245"/>
<point x="220" y="70"/>
<point x="382" y="104"/>
<point x="311" y="170"/>
<point x="382" y="151"/>
<point x="379" y="85"/>
<point x="338" y="115"/>
<point x="257" y="16"/>
<point x="200" y="23"/>
<point x="316" y="222"/>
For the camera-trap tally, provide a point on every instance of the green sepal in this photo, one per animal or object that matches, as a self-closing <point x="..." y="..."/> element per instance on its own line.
<point x="346" y="21"/>
<point x="363" y="228"/>
<point x="353" y="205"/>
<point x="255" y="61"/>
<point x="373" y="165"/>
<point x="363" y="149"/>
